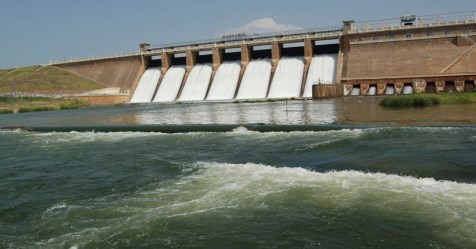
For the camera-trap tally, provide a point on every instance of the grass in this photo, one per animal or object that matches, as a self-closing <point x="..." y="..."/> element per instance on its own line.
<point x="425" y="100"/>
<point x="47" y="79"/>
<point x="33" y="104"/>
<point x="36" y="109"/>
<point x="41" y="80"/>
<point x="5" y="111"/>
<point x="458" y="98"/>
<point x="74" y="104"/>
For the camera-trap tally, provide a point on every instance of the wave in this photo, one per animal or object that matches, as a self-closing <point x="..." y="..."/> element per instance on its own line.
<point x="90" y="136"/>
<point x="185" y="128"/>
<point x="309" y="140"/>
<point x="74" y="137"/>
<point x="236" y="191"/>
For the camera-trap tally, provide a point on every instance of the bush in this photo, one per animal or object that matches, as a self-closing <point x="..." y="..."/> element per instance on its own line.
<point x="5" y="111"/>
<point x="73" y="105"/>
<point x="12" y="99"/>
<point x="409" y="101"/>
<point x="36" y="109"/>
<point x="458" y="98"/>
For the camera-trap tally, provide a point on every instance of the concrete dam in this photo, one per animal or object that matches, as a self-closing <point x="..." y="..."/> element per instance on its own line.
<point x="405" y="55"/>
<point x="231" y="77"/>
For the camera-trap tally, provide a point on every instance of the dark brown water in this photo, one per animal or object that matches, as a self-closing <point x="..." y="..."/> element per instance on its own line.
<point x="366" y="110"/>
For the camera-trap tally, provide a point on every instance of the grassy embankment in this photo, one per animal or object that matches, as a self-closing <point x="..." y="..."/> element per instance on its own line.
<point x="427" y="99"/>
<point x="32" y="104"/>
<point x="37" y="80"/>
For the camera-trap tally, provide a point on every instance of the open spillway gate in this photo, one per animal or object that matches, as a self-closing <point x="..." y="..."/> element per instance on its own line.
<point x="241" y="67"/>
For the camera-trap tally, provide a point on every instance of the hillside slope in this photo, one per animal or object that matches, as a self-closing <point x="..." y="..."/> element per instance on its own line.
<point x="44" y="80"/>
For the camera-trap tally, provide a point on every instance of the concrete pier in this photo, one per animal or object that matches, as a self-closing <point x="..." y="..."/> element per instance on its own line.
<point x="419" y="85"/>
<point x="440" y="86"/>
<point x="308" y="54"/>
<point x="459" y="84"/>
<point x="381" y="89"/>
<point x="276" y="52"/>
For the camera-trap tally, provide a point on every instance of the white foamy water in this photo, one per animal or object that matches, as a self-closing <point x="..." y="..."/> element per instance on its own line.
<point x="146" y="87"/>
<point x="197" y="83"/>
<point x="372" y="91"/>
<point x="287" y="79"/>
<point x="61" y="138"/>
<point x="170" y="85"/>
<point x="407" y="90"/>
<point x="255" y="81"/>
<point x="208" y="189"/>
<point x="321" y="70"/>
<point x="355" y="91"/>
<point x="390" y="90"/>
<point x="225" y="81"/>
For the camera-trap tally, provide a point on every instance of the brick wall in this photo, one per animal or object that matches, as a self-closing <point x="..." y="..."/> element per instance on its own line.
<point x="407" y="58"/>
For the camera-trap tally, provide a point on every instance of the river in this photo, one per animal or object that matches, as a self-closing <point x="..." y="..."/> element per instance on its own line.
<point x="379" y="178"/>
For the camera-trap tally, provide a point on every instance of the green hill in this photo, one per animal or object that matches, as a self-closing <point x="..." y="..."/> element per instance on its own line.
<point x="44" y="80"/>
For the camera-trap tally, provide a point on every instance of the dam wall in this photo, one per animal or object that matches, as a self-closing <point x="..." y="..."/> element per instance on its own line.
<point x="407" y="58"/>
<point x="393" y="56"/>
<point x="121" y="72"/>
<point x="268" y="66"/>
<point x="410" y="53"/>
<point x="433" y="56"/>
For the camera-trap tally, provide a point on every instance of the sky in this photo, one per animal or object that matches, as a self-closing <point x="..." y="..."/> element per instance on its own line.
<point x="34" y="32"/>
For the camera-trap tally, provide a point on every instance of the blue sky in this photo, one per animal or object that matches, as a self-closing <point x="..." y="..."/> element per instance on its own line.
<point x="35" y="32"/>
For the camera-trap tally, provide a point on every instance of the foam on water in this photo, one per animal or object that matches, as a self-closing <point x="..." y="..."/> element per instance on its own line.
<point x="51" y="138"/>
<point x="197" y="83"/>
<point x="146" y="87"/>
<point x="255" y="81"/>
<point x="59" y="138"/>
<point x="287" y="79"/>
<point x="225" y="81"/>
<point x="321" y="70"/>
<point x="331" y="135"/>
<point x="170" y="85"/>
<point x="210" y="189"/>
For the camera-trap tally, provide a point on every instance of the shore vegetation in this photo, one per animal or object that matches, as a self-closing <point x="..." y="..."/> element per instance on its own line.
<point x="11" y="104"/>
<point x="427" y="99"/>
<point x="43" y="80"/>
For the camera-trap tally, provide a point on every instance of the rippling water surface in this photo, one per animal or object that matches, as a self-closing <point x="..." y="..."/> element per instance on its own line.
<point x="397" y="182"/>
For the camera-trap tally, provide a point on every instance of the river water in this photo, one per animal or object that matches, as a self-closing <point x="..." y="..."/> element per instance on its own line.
<point x="384" y="179"/>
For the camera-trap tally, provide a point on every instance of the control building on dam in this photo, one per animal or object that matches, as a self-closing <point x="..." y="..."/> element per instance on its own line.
<point x="385" y="57"/>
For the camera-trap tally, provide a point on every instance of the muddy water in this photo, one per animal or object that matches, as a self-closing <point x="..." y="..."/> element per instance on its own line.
<point x="365" y="110"/>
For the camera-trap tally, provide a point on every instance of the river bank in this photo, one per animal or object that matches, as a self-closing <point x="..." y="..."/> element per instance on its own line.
<point x="10" y="104"/>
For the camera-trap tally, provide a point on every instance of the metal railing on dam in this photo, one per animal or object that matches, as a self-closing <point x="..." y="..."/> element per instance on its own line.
<point x="412" y="21"/>
<point x="284" y="36"/>
<point x="334" y="32"/>
<point x="326" y="32"/>
<point x="94" y="58"/>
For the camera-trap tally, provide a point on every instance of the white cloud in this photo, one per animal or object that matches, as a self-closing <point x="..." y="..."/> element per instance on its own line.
<point x="262" y="25"/>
